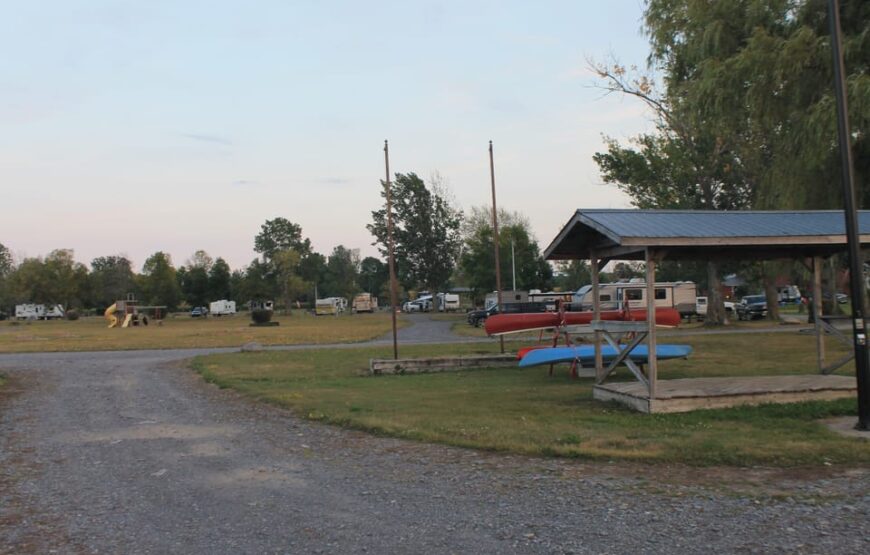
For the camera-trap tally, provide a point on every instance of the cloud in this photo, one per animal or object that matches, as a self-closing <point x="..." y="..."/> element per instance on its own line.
<point x="206" y="138"/>
<point x="245" y="183"/>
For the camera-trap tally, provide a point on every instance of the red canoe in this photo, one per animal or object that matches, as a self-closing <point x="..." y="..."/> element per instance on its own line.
<point x="499" y="324"/>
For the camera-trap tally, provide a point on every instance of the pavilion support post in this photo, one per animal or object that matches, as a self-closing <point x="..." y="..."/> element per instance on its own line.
<point x="596" y="315"/>
<point x="816" y="307"/>
<point x="652" y="364"/>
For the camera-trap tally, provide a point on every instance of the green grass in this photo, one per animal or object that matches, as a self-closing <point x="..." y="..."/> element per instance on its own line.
<point x="526" y="411"/>
<point x="91" y="334"/>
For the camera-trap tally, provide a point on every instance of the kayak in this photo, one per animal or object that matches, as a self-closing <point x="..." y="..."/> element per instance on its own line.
<point x="500" y="324"/>
<point x="585" y="354"/>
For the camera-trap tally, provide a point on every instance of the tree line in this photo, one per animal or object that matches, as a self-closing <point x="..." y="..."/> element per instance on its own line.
<point x="437" y="247"/>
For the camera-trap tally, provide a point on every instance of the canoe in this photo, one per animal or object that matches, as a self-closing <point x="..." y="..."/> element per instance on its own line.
<point x="585" y="354"/>
<point x="500" y="324"/>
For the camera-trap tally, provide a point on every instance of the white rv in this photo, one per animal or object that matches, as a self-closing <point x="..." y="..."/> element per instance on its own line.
<point x="681" y="295"/>
<point x="364" y="302"/>
<point x="330" y="305"/>
<point x="222" y="308"/>
<point x="31" y="311"/>
<point x="448" y="302"/>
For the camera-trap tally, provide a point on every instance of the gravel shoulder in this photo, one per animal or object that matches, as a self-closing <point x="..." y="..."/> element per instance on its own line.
<point x="131" y="452"/>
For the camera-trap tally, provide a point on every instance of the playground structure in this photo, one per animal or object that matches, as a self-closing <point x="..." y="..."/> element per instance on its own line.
<point x="128" y="312"/>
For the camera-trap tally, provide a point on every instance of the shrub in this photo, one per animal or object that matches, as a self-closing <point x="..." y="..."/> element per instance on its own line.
<point x="72" y="314"/>
<point x="261" y="316"/>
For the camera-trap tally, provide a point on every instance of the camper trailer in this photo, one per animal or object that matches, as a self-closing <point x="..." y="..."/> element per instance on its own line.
<point x="330" y="306"/>
<point x="447" y="302"/>
<point x="364" y="302"/>
<point x="38" y="312"/>
<point x="681" y="295"/>
<point x="222" y="308"/>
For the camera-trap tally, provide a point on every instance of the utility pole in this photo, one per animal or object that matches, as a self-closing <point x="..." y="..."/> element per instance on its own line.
<point x="856" y="271"/>
<point x="495" y="238"/>
<point x="390" y="255"/>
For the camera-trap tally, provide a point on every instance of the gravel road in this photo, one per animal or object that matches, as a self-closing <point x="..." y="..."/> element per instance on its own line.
<point x="132" y="453"/>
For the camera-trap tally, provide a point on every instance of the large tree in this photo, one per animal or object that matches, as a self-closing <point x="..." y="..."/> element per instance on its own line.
<point x="280" y="234"/>
<point x="112" y="278"/>
<point x="219" y="281"/>
<point x="425" y="232"/>
<point x="342" y="272"/>
<point x="374" y="277"/>
<point x="159" y="285"/>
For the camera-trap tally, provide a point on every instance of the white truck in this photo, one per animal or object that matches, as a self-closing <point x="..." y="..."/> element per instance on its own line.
<point x="681" y="295"/>
<point x="330" y="306"/>
<point x="31" y="311"/>
<point x="364" y="302"/>
<point x="222" y="308"/>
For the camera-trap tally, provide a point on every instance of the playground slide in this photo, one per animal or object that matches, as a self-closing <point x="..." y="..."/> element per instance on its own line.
<point x="127" y="319"/>
<point x="110" y="315"/>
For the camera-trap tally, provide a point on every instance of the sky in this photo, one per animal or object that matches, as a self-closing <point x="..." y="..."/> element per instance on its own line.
<point x="128" y="127"/>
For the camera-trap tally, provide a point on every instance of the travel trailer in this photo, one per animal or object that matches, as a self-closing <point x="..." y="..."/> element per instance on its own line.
<point x="330" y="306"/>
<point x="448" y="302"/>
<point x="364" y="302"/>
<point x="681" y="295"/>
<point x="222" y="308"/>
<point x="38" y="312"/>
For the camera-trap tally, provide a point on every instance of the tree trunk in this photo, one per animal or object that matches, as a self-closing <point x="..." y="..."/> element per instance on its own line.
<point x="715" y="303"/>
<point x="768" y="276"/>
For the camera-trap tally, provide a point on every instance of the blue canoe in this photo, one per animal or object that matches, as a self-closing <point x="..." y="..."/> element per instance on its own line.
<point x="585" y="354"/>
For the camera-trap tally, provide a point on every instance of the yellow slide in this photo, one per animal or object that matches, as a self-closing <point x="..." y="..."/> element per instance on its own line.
<point x="127" y="319"/>
<point x="110" y="315"/>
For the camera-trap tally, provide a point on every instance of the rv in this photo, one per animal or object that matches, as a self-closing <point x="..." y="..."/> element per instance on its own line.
<point x="364" y="302"/>
<point x="38" y="312"/>
<point x="507" y="297"/>
<point x="550" y="300"/>
<point x="330" y="306"/>
<point x="222" y="308"/>
<point x="448" y="302"/>
<point x="681" y="295"/>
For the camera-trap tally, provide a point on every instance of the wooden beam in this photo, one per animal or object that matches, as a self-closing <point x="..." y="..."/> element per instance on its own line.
<point x="817" y="312"/>
<point x="596" y="315"/>
<point x="652" y="364"/>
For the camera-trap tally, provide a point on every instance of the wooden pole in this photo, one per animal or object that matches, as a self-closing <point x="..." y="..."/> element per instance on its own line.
<point x="495" y="238"/>
<point x="652" y="364"/>
<point x="596" y="315"/>
<point x="816" y="308"/>
<point x="391" y="261"/>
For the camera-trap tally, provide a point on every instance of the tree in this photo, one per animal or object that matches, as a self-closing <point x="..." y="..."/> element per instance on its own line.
<point x="477" y="262"/>
<point x="220" y="281"/>
<point x="342" y="270"/>
<point x="571" y="275"/>
<point x="158" y="282"/>
<point x="374" y="276"/>
<point x="280" y="234"/>
<point x="193" y="279"/>
<point x="6" y="268"/>
<point x="312" y="269"/>
<point x="291" y="286"/>
<point x="112" y="278"/>
<point x="425" y="232"/>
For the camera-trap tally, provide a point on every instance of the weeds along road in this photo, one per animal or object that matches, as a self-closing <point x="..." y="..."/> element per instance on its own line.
<point x="132" y="453"/>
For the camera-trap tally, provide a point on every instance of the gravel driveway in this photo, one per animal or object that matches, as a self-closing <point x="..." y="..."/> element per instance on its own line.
<point x="132" y="453"/>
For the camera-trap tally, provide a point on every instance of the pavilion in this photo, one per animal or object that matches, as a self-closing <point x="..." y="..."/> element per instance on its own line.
<point x="600" y="235"/>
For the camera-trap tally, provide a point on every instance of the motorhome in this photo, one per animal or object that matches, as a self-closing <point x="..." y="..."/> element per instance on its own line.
<point x="364" y="302"/>
<point x="681" y="295"/>
<point x="448" y="302"/>
<point x="330" y="306"/>
<point x="31" y="311"/>
<point x="222" y="308"/>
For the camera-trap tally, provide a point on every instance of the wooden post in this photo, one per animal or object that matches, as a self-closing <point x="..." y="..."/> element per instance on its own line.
<point x="596" y="315"/>
<point x="652" y="365"/>
<point x="817" y="311"/>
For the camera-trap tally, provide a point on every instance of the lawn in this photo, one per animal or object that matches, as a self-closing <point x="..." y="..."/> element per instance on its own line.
<point x="526" y="411"/>
<point x="91" y="334"/>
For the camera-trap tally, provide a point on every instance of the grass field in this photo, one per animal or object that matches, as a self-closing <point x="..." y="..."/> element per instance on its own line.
<point x="526" y="411"/>
<point x="91" y="334"/>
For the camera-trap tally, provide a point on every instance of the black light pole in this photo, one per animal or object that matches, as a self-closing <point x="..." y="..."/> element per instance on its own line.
<point x="856" y="283"/>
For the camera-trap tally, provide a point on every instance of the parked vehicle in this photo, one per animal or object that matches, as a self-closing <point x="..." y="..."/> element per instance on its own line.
<point x="199" y="312"/>
<point x="420" y="304"/>
<point x="701" y="307"/>
<point x="222" y="308"/>
<point x="551" y="299"/>
<point x="364" y="302"/>
<point x="477" y="317"/>
<point x="332" y="306"/>
<point x="788" y="294"/>
<point x="448" y="302"/>
<point x="752" y="307"/>
<point x="681" y="295"/>
<point x="30" y="311"/>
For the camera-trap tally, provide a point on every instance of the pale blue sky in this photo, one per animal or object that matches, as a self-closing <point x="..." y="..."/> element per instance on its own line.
<point x="130" y="127"/>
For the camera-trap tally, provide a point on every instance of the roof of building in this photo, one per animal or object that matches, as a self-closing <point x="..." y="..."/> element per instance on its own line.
<point x="699" y="234"/>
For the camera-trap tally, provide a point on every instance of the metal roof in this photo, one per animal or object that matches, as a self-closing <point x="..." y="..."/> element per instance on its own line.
<point x="699" y="234"/>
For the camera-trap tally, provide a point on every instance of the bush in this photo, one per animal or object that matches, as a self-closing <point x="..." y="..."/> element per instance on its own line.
<point x="72" y="314"/>
<point x="261" y="316"/>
